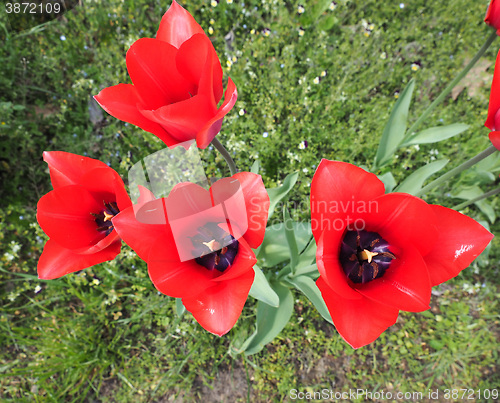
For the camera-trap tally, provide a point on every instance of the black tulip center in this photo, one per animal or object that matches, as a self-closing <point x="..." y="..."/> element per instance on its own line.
<point x="103" y="219"/>
<point x="214" y="248"/>
<point x="365" y="256"/>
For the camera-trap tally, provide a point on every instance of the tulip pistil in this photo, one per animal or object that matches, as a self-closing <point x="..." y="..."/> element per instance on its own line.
<point x="365" y="256"/>
<point x="209" y="251"/>
<point x="103" y="219"/>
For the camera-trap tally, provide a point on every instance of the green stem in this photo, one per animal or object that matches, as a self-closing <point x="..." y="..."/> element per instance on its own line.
<point x="476" y="199"/>
<point x="451" y="85"/>
<point x="232" y="166"/>
<point x="455" y="171"/>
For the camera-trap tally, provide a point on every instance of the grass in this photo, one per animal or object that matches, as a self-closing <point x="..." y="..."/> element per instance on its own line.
<point x="105" y="334"/>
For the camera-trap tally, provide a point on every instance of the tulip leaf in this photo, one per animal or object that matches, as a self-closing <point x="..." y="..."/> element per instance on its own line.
<point x="261" y="290"/>
<point x="270" y="320"/>
<point x="395" y="128"/>
<point x="275" y="249"/>
<point x="435" y="134"/>
<point x="307" y="256"/>
<point x="278" y="193"/>
<point x="255" y="167"/>
<point x="310" y="271"/>
<point x="388" y="181"/>
<point x="483" y="205"/>
<point x="179" y="307"/>
<point x="413" y="183"/>
<point x="290" y="239"/>
<point x="308" y="287"/>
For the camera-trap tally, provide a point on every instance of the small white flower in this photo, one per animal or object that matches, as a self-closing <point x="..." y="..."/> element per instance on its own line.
<point x="38" y="289"/>
<point x="265" y="134"/>
<point x="210" y="30"/>
<point x="62" y="38"/>
<point x="241" y="112"/>
<point x="333" y="5"/>
<point x="214" y="3"/>
<point x="401" y="5"/>
<point x="300" y="9"/>
<point x="316" y="80"/>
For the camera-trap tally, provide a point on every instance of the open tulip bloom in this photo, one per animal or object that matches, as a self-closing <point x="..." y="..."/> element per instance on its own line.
<point x="381" y="253"/>
<point x="177" y="84"/>
<point x="376" y="254"/>
<point x="78" y="214"/>
<point x="198" y="244"/>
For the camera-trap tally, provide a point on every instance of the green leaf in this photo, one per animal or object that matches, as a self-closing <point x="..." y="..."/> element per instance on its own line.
<point x="179" y="307"/>
<point x="388" y="180"/>
<point x="290" y="239"/>
<point x="270" y="320"/>
<point x="275" y="250"/>
<point x="308" y="255"/>
<point x="435" y="134"/>
<point x="395" y="128"/>
<point x="261" y="290"/>
<point x="278" y="193"/>
<point x="413" y="183"/>
<point x="255" y="167"/>
<point x="309" y="271"/>
<point x="308" y="287"/>
<point x="483" y="205"/>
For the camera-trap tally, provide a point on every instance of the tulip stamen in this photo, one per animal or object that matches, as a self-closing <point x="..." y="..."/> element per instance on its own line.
<point x="364" y="256"/>
<point x="214" y="248"/>
<point x="103" y="219"/>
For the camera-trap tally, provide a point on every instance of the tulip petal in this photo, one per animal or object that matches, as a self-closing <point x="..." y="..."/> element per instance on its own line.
<point x="151" y="66"/>
<point x="494" y="105"/>
<point x="173" y="277"/>
<point x="213" y="126"/>
<point x="492" y="17"/>
<point x="495" y="139"/>
<point x="338" y="189"/>
<point x="57" y="261"/>
<point x="402" y="219"/>
<point x="329" y="267"/>
<point x="183" y="120"/>
<point x="122" y="102"/>
<point x="358" y="321"/>
<point x="256" y="205"/>
<point x="218" y="308"/>
<point x="67" y="168"/>
<point x="65" y="215"/>
<point x="197" y="59"/>
<point x="461" y="240"/>
<point x="177" y="26"/>
<point x="243" y="262"/>
<point x="138" y="235"/>
<point x="105" y="184"/>
<point x="405" y="285"/>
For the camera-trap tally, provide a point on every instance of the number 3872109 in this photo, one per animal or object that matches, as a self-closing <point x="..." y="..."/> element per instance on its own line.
<point x="33" y="8"/>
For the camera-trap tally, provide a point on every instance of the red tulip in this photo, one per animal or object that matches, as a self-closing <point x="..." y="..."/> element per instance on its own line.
<point x="492" y="17"/>
<point x="78" y="214"/>
<point x="177" y="84"/>
<point x="493" y="119"/>
<point x="381" y="253"/>
<point x="197" y="244"/>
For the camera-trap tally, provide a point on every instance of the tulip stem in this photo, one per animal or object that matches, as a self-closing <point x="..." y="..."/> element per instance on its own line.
<point x="455" y="171"/>
<point x="225" y="154"/>
<point x="451" y="85"/>
<point x="476" y="199"/>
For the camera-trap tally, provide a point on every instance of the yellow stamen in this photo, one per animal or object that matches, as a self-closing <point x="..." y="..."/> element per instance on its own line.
<point x="213" y="245"/>
<point x="367" y="255"/>
<point x="107" y="217"/>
